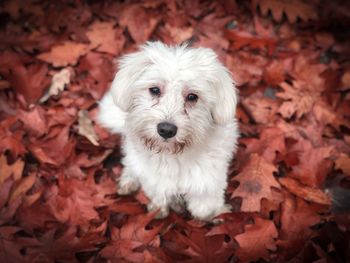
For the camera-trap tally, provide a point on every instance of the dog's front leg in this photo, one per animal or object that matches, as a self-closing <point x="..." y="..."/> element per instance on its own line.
<point x="128" y="182"/>
<point x="206" y="206"/>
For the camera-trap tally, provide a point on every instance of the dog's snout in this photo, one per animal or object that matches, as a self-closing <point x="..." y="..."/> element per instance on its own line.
<point x="166" y="130"/>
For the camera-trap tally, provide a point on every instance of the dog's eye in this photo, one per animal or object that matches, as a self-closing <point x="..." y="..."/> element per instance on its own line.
<point x="192" y="97"/>
<point x="155" y="91"/>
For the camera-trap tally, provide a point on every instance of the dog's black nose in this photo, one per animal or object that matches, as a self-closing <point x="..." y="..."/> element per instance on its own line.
<point x="166" y="130"/>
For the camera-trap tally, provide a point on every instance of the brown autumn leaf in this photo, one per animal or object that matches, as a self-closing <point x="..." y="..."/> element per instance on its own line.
<point x="61" y="142"/>
<point x="293" y="9"/>
<point x="202" y="248"/>
<point x="308" y="193"/>
<point x="34" y="121"/>
<point x="261" y="108"/>
<point x="139" y="23"/>
<point x="271" y="142"/>
<point x="130" y="236"/>
<point x="67" y="53"/>
<point x="257" y="240"/>
<point x="54" y="247"/>
<point x="85" y="127"/>
<point x="314" y="163"/>
<point x="242" y="38"/>
<point x="255" y="182"/>
<point x="250" y="67"/>
<point x="275" y="73"/>
<point x="30" y="81"/>
<point x="59" y="81"/>
<point x="105" y="37"/>
<point x="299" y="100"/>
<point x="297" y="217"/>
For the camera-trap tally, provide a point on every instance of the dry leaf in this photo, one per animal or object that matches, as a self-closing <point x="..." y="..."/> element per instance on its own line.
<point x="105" y="37"/>
<point x="257" y="240"/>
<point x="255" y="182"/>
<point x="86" y="129"/>
<point x="308" y="193"/>
<point x="59" y="81"/>
<point x="65" y="54"/>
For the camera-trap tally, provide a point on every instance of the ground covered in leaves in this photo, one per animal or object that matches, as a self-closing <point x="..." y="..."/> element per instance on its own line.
<point x="288" y="185"/>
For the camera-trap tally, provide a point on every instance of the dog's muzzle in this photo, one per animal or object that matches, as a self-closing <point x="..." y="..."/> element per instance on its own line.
<point x="166" y="130"/>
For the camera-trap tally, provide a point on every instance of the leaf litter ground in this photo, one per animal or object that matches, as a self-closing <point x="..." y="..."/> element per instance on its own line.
<point x="288" y="184"/>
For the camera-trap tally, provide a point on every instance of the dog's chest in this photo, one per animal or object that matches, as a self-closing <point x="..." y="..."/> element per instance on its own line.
<point x="174" y="175"/>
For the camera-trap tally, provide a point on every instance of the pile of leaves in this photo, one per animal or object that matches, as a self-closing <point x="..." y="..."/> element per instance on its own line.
<point x="288" y="184"/>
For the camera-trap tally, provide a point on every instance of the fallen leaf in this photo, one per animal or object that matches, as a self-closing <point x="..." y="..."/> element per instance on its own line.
<point x="308" y="193"/>
<point x="257" y="240"/>
<point x="34" y="121"/>
<point x="261" y="108"/>
<point x="298" y="98"/>
<point x="314" y="163"/>
<point x="297" y="216"/>
<point x="85" y="127"/>
<point x="271" y="142"/>
<point x="139" y="23"/>
<point x="255" y="182"/>
<point x="293" y="9"/>
<point x="65" y="54"/>
<point x="104" y="37"/>
<point x="59" y="81"/>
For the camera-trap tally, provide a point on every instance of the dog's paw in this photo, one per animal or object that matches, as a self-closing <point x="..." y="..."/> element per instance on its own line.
<point x="226" y="208"/>
<point x="163" y="212"/>
<point x="125" y="188"/>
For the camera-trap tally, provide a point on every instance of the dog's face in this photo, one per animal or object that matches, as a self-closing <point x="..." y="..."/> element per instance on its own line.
<point x="173" y="96"/>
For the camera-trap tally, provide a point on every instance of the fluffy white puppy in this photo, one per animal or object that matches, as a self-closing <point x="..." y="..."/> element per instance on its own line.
<point x="175" y="107"/>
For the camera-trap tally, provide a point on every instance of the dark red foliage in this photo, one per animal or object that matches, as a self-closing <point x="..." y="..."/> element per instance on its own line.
<point x="289" y="184"/>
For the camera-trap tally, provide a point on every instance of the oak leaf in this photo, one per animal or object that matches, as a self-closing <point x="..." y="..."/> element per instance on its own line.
<point x="256" y="180"/>
<point x="297" y="216"/>
<point x="314" y="163"/>
<point x="293" y="9"/>
<point x="29" y="81"/>
<point x="85" y="127"/>
<point x="65" y="54"/>
<point x="308" y="193"/>
<point x="131" y="236"/>
<point x="299" y="100"/>
<point x="104" y="37"/>
<point x="59" y="81"/>
<point x="257" y="240"/>
<point x="140" y="24"/>
<point x="270" y="142"/>
<point x="54" y="246"/>
<point x="261" y="108"/>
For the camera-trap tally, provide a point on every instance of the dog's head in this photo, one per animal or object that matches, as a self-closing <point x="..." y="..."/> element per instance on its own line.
<point x="173" y="95"/>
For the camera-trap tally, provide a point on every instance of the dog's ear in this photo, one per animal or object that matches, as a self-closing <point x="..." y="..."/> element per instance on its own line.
<point x="130" y="69"/>
<point x="226" y="102"/>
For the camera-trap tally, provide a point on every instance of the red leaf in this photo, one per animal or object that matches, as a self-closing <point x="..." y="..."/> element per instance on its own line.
<point x="139" y="23"/>
<point x="256" y="180"/>
<point x="257" y="241"/>
<point x="305" y="192"/>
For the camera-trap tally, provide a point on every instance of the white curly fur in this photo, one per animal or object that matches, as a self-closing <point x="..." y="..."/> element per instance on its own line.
<point x="192" y="165"/>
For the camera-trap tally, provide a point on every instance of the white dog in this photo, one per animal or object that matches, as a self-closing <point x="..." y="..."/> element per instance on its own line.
<point x="175" y="107"/>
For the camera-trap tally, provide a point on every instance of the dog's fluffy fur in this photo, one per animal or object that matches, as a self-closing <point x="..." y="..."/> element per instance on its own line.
<point x="192" y="165"/>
